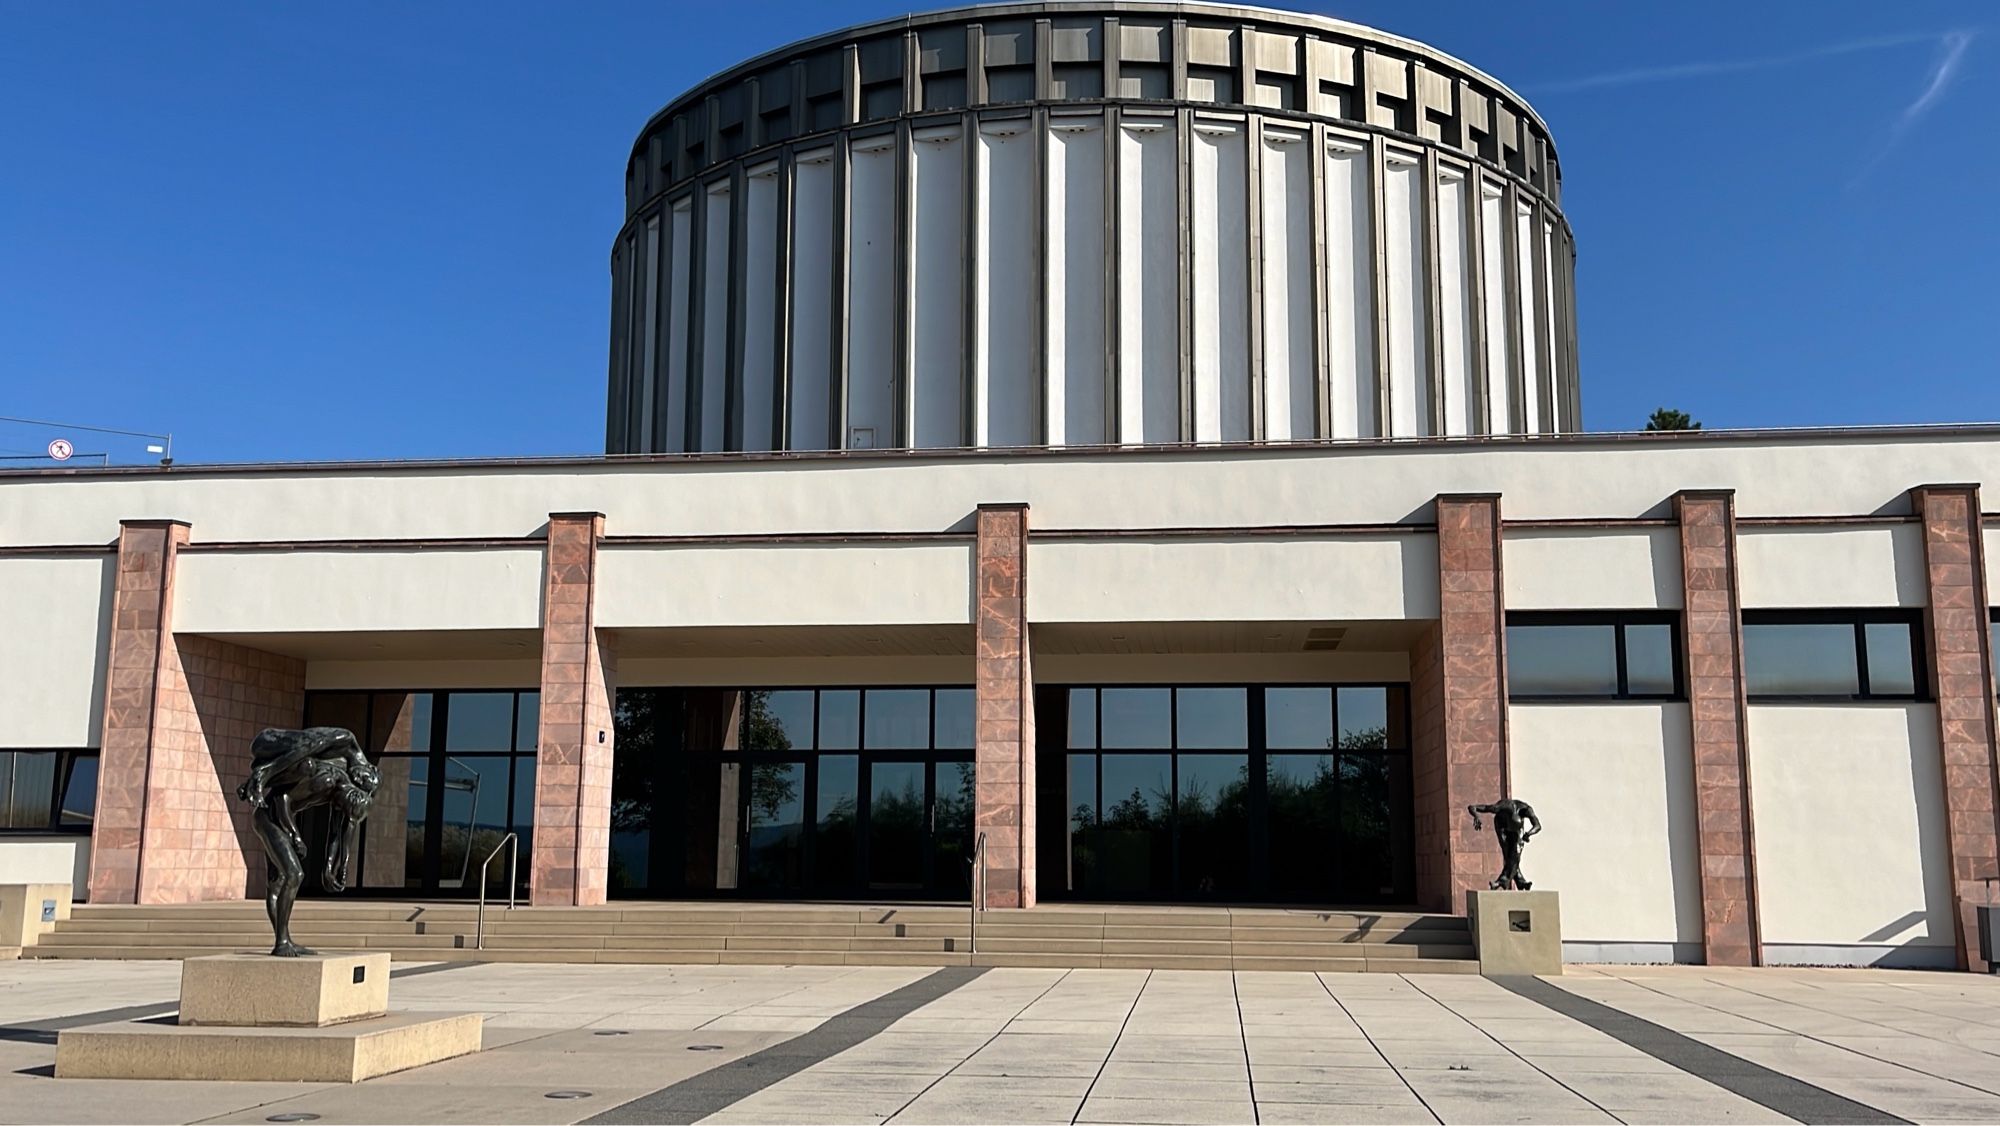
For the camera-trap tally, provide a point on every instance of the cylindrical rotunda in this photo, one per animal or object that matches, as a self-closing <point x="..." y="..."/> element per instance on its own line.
<point x="1091" y="223"/>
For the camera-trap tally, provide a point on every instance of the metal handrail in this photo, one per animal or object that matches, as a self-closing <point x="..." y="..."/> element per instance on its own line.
<point x="512" y="843"/>
<point x="978" y="897"/>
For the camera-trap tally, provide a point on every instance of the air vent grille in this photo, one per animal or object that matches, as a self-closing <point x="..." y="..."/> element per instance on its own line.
<point x="1324" y="637"/>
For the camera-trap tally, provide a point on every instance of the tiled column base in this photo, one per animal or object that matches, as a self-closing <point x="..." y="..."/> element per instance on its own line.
<point x="1004" y="682"/>
<point x="1710" y="627"/>
<point x="571" y="860"/>
<point x="1962" y="682"/>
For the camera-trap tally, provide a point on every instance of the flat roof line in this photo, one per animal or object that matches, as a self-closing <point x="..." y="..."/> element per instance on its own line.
<point x="1773" y="435"/>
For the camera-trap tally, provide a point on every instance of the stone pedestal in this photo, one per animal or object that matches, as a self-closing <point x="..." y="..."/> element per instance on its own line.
<point x="28" y="911"/>
<point x="253" y="1018"/>
<point x="262" y="991"/>
<point x="1516" y="933"/>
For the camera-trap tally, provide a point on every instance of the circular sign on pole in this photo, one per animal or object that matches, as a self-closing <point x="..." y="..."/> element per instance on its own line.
<point x="60" y="449"/>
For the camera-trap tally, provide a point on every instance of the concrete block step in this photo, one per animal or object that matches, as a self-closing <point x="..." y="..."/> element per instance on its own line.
<point x="1308" y="965"/>
<point x="1350" y="950"/>
<point x="1164" y="961"/>
<point x="1036" y="961"/>
<point x="1184" y="948"/>
<point x="1165" y="933"/>
<point x="1008" y="944"/>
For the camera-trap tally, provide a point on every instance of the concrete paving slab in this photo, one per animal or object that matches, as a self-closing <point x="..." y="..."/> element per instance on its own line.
<point x="1166" y="1112"/>
<point x="1360" y="1114"/>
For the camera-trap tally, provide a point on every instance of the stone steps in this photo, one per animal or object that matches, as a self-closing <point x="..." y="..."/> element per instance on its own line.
<point x="1144" y="938"/>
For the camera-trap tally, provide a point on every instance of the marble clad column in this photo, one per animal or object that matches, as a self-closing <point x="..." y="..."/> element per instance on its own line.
<point x="1961" y="672"/>
<point x="571" y="860"/>
<point x="141" y="626"/>
<point x="1005" y="714"/>
<point x="179" y="716"/>
<point x="1712" y="632"/>
<point x="1458" y="689"/>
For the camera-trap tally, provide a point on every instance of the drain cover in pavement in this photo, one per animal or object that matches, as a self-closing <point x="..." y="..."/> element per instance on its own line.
<point x="704" y="1047"/>
<point x="567" y="1095"/>
<point x="294" y="1116"/>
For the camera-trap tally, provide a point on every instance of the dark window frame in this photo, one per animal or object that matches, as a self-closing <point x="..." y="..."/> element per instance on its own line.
<point x="66" y="760"/>
<point x="1859" y="620"/>
<point x="1618" y="620"/>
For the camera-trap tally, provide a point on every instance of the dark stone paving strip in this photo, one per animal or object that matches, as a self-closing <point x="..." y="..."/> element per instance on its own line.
<point x="1791" y="1097"/>
<point x="44" y="1031"/>
<point x="698" y="1096"/>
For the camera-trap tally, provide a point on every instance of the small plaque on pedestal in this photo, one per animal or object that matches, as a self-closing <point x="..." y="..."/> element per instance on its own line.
<point x="1516" y="932"/>
<point x="307" y="992"/>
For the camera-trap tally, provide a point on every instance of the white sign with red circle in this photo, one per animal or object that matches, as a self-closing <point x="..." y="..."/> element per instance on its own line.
<point x="60" y="449"/>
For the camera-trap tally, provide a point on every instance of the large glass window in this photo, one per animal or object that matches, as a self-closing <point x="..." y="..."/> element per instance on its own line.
<point x="793" y="791"/>
<point x="1610" y="656"/>
<point x="48" y="791"/>
<point x="1844" y="655"/>
<point x="1229" y="793"/>
<point x="458" y="775"/>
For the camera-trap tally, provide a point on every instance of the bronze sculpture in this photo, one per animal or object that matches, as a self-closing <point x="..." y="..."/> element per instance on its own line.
<point x="292" y="771"/>
<point x="1508" y="817"/>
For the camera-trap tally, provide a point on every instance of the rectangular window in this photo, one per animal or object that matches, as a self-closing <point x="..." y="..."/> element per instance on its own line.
<point x="1832" y="655"/>
<point x="1593" y="656"/>
<point x="1229" y="793"/>
<point x="48" y="791"/>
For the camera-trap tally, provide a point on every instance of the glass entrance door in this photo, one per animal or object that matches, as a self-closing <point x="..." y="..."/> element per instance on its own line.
<point x="899" y="815"/>
<point x="919" y="819"/>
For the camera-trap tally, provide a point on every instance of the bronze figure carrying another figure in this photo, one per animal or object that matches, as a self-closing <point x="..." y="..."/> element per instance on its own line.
<point x="293" y="771"/>
<point x="1508" y="817"/>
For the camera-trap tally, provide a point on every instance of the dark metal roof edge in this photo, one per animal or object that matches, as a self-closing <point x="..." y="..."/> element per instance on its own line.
<point x="1005" y="8"/>
<point x="620" y="462"/>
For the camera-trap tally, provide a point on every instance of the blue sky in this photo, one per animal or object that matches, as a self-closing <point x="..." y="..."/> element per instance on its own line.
<point x="375" y="229"/>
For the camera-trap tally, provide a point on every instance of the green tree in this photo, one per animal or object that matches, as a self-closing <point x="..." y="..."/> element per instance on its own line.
<point x="1668" y="419"/>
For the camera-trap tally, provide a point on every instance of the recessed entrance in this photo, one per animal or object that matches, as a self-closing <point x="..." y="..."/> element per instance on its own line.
<point x="793" y="793"/>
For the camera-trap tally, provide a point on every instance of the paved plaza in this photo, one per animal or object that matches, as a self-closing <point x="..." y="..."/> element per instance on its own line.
<point x="783" y="1044"/>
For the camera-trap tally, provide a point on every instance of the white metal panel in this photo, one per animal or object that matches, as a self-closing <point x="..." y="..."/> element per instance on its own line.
<point x="716" y="300"/>
<point x="1852" y="844"/>
<point x="1495" y="278"/>
<point x="678" y="294"/>
<point x="1148" y="283"/>
<point x="813" y="584"/>
<point x="1531" y="350"/>
<point x="1409" y="294"/>
<point x="760" y="308"/>
<point x="937" y="291"/>
<point x="1350" y="292"/>
<point x="1140" y="580"/>
<point x="55" y="622"/>
<point x="1593" y="569"/>
<point x="1006" y="379"/>
<point x="1627" y="769"/>
<point x="1286" y="204"/>
<point x="1455" y="361"/>
<point x="871" y="297"/>
<point x="1802" y="567"/>
<point x="813" y="223"/>
<point x="650" y="350"/>
<point x="1552" y="363"/>
<point x="335" y="591"/>
<point x="1218" y="231"/>
<point x="1075" y="305"/>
